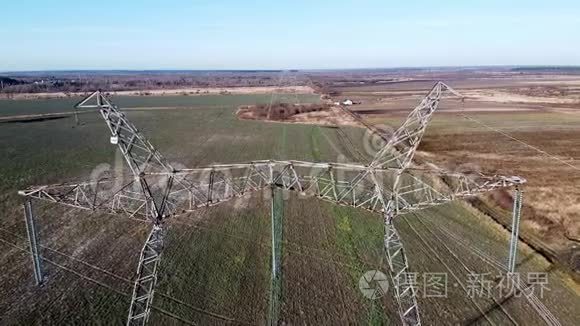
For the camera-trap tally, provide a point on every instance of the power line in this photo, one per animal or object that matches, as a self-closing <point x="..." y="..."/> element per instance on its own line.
<point x="209" y="313"/>
<point x="426" y="245"/>
<point x="84" y="276"/>
<point x="174" y="316"/>
<point x="110" y="274"/>
<point x="470" y="248"/>
<point x="13" y="245"/>
<point x="68" y="269"/>
<point x="65" y="268"/>
<point x="539" y="150"/>
<point x="164" y="312"/>
<point x="532" y="299"/>
<point x="222" y="317"/>
<point x="467" y="269"/>
<point x="285" y="242"/>
<point x="349" y="144"/>
<point x="144" y="160"/>
<point x="72" y="258"/>
<point x="366" y="125"/>
<point x="331" y="261"/>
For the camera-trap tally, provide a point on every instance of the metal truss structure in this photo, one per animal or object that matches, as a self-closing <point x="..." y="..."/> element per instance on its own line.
<point x="516" y="214"/>
<point x="154" y="191"/>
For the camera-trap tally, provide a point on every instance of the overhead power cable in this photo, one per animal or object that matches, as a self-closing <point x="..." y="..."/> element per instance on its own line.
<point x="218" y="316"/>
<point x="426" y="245"/>
<point x="467" y="269"/>
<point x="532" y="299"/>
<point x="539" y="150"/>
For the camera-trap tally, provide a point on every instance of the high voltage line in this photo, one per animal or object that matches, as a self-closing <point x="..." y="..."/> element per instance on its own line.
<point x="157" y="192"/>
<point x="537" y="149"/>
<point x="85" y="263"/>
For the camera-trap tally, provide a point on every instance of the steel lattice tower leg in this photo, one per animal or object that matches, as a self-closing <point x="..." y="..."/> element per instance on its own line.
<point x="403" y="282"/>
<point x="33" y="241"/>
<point x="277" y="214"/>
<point x="144" y="286"/>
<point x="516" y="214"/>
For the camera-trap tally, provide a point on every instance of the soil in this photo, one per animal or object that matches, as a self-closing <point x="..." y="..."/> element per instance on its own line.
<point x="318" y="114"/>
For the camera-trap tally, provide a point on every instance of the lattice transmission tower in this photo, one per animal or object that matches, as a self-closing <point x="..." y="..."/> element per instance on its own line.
<point x="390" y="185"/>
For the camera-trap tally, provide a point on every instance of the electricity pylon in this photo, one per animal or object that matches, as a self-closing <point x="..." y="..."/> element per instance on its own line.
<point x="389" y="185"/>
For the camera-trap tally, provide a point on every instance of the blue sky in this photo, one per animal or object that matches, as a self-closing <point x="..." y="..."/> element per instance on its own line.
<point x="220" y="34"/>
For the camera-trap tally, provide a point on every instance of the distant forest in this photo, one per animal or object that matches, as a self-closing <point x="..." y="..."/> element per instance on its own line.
<point x="85" y="81"/>
<point x="324" y="81"/>
<point x="558" y="69"/>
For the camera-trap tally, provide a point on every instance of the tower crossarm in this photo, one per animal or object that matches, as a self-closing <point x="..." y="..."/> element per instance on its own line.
<point x="215" y="184"/>
<point x="420" y="189"/>
<point x="212" y="185"/>
<point x="115" y="196"/>
<point x="207" y="186"/>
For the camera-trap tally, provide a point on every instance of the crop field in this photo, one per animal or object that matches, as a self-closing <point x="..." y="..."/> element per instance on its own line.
<point x="542" y="147"/>
<point x="216" y="264"/>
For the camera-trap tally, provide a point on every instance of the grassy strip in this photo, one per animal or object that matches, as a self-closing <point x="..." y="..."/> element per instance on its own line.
<point x="276" y="276"/>
<point x="314" y="143"/>
<point x="353" y="239"/>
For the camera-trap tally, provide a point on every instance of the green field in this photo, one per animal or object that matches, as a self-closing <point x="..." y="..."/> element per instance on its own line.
<point x="216" y="263"/>
<point x="12" y="107"/>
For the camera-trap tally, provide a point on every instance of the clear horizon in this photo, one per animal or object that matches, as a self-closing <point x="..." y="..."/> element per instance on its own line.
<point x="227" y="35"/>
<point x="287" y="69"/>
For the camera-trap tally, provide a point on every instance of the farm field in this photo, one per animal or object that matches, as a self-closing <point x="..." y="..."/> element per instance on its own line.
<point x="41" y="106"/>
<point x="508" y="122"/>
<point x="216" y="266"/>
